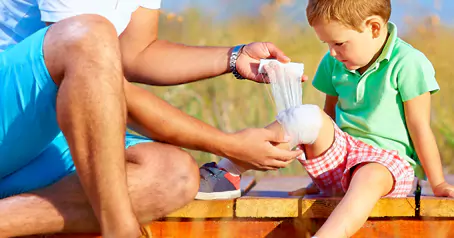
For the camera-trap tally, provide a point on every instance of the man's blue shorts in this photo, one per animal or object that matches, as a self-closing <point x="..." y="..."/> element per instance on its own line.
<point x="33" y="150"/>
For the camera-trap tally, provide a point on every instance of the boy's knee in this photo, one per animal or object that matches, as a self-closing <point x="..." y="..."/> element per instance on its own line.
<point x="302" y="123"/>
<point x="374" y="174"/>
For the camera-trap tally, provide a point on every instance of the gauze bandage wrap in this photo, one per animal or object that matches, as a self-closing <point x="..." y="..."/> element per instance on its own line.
<point x="301" y="122"/>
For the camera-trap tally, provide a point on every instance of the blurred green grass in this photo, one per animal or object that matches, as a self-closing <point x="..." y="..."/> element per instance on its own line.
<point x="232" y="105"/>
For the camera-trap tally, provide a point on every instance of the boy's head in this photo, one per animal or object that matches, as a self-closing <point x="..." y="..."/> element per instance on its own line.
<point x="355" y="30"/>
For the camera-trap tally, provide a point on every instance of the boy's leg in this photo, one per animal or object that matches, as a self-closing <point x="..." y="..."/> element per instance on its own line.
<point x="369" y="183"/>
<point x="152" y="168"/>
<point x="369" y="173"/>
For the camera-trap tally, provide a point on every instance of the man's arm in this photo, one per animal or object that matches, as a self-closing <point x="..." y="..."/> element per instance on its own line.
<point x="151" y="61"/>
<point x="157" y="62"/>
<point x="417" y="115"/>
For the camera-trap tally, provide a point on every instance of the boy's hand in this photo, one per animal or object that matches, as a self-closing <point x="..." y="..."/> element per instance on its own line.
<point x="444" y="190"/>
<point x="249" y="60"/>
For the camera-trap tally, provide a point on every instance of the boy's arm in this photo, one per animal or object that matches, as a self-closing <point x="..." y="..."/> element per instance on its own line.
<point x="417" y="114"/>
<point x="330" y="106"/>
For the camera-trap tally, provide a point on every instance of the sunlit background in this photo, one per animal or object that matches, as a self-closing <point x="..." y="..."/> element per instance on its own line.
<point x="232" y="105"/>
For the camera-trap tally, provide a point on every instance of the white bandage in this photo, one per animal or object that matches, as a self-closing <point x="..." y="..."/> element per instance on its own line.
<point x="302" y="123"/>
<point x="295" y="70"/>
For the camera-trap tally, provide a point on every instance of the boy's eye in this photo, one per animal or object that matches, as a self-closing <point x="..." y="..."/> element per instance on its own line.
<point x="339" y="44"/>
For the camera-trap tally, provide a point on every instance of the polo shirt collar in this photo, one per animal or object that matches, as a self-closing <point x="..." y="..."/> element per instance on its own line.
<point x="390" y="43"/>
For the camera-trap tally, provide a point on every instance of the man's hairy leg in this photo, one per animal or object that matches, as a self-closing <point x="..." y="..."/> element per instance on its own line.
<point x="161" y="179"/>
<point x="83" y="57"/>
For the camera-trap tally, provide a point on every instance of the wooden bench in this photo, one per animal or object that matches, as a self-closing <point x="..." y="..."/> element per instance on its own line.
<point x="265" y="210"/>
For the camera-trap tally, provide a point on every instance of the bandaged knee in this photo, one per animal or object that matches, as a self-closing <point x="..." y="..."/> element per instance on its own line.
<point x="301" y="123"/>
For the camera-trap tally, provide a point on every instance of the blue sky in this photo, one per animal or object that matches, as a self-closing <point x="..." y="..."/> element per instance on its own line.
<point x="401" y="8"/>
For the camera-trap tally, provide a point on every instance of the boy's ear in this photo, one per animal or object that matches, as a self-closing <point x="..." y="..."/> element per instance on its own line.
<point x="375" y="24"/>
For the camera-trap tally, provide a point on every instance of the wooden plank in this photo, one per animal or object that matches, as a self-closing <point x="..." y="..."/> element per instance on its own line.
<point x="269" y="198"/>
<point x="212" y="208"/>
<point x="385" y="207"/>
<point x="205" y="209"/>
<point x="278" y="186"/>
<point x="267" y="207"/>
<point x="407" y="229"/>
<point x="211" y="229"/>
<point x="380" y="228"/>
<point x="437" y="207"/>
<point x="432" y="206"/>
<point x="402" y="228"/>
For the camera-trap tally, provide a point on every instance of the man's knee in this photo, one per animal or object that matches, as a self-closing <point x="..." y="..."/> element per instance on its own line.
<point x="166" y="166"/>
<point x="83" y="38"/>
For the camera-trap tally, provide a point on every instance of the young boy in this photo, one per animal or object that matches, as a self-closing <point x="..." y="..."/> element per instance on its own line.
<point x="378" y="92"/>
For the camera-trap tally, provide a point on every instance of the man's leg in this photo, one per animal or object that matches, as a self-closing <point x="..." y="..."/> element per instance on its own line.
<point x="161" y="178"/>
<point x="82" y="55"/>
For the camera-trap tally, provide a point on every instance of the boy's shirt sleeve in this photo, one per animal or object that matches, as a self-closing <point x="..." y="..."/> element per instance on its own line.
<point x="416" y="76"/>
<point x="323" y="77"/>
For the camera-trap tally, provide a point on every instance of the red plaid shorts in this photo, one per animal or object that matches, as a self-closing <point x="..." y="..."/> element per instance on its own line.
<point x="331" y="172"/>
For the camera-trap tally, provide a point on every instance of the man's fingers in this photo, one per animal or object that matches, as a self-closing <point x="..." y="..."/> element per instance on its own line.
<point x="280" y="164"/>
<point x="275" y="137"/>
<point x="276" y="53"/>
<point x="286" y="155"/>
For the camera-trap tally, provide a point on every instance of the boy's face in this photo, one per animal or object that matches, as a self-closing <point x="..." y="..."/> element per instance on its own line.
<point x="354" y="49"/>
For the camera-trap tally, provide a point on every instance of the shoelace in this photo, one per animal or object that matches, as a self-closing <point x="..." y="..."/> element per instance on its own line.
<point x="211" y="170"/>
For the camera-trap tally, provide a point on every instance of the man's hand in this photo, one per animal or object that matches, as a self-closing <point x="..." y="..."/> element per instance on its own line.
<point x="249" y="60"/>
<point x="444" y="190"/>
<point x="253" y="149"/>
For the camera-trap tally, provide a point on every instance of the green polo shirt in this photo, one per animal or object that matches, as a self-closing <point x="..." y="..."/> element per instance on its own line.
<point x="370" y="106"/>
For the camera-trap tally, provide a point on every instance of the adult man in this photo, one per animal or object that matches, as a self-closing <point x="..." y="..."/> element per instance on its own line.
<point x="72" y="76"/>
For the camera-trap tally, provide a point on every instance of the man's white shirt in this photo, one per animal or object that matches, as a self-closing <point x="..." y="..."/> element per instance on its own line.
<point x="21" y="18"/>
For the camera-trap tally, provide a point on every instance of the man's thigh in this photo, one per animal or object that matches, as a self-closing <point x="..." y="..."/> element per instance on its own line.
<point x="54" y="163"/>
<point x="28" y="121"/>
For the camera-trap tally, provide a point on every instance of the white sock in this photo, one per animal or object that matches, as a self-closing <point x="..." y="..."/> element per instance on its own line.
<point x="231" y="167"/>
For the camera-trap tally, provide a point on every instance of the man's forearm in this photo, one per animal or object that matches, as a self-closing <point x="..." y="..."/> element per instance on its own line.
<point x="166" y="63"/>
<point x="155" y="118"/>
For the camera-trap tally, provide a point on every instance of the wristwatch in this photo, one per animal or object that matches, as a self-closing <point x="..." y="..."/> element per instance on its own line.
<point x="236" y="51"/>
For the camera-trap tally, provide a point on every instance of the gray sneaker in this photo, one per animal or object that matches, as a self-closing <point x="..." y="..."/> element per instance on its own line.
<point x="216" y="183"/>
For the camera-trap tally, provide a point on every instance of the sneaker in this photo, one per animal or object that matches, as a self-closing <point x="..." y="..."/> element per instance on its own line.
<point x="216" y="183"/>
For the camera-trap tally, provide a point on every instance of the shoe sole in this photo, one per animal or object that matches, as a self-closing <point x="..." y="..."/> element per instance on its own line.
<point x="218" y="195"/>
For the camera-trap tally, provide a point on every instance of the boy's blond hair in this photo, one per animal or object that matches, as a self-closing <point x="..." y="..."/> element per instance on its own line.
<point x="350" y="13"/>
